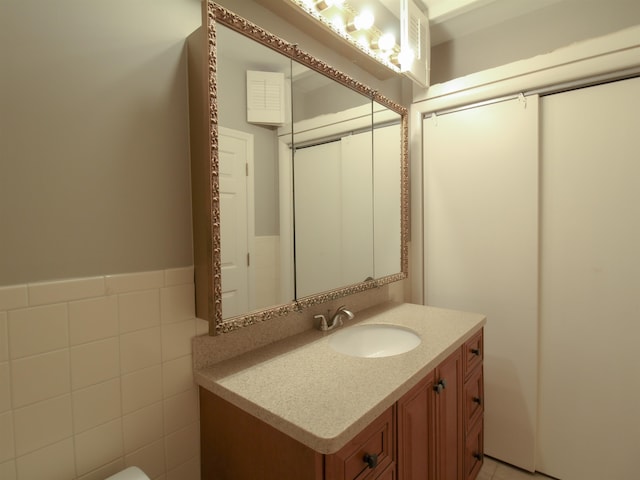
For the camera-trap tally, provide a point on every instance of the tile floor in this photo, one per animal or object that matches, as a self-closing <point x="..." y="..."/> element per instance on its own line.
<point x="495" y="470"/>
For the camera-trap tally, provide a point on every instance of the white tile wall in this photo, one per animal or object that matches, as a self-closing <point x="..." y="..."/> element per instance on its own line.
<point x="96" y="375"/>
<point x="266" y="264"/>
<point x="53" y="461"/>
<point x="5" y="388"/>
<point x="141" y="388"/>
<point x="13" y="297"/>
<point x="4" y="344"/>
<point x="94" y="319"/>
<point x="95" y="362"/>
<point x="37" y="378"/>
<point x="140" y="349"/>
<point x="97" y="404"/>
<point x="50" y="323"/>
<point x="8" y="470"/>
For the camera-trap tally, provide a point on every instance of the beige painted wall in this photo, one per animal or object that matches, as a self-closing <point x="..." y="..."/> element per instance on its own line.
<point x="94" y="153"/>
<point x="94" y="177"/>
<point x="540" y="32"/>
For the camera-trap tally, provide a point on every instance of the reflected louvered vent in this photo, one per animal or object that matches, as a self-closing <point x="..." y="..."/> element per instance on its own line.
<point x="265" y="98"/>
<point x="415" y="38"/>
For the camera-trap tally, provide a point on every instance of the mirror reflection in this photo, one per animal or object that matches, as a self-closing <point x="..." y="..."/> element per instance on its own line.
<point x="333" y="189"/>
<point x="253" y="101"/>
<point x="387" y="188"/>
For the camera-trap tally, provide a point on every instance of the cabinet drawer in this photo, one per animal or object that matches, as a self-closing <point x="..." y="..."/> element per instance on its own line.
<point x="388" y="474"/>
<point x="376" y="442"/>
<point x="473" y="451"/>
<point x="473" y="353"/>
<point x="473" y="398"/>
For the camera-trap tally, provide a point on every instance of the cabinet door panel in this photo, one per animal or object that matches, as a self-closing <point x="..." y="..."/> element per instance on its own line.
<point x="449" y="431"/>
<point x="416" y="433"/>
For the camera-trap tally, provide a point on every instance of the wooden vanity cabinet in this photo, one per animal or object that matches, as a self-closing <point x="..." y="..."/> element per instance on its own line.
<point x="430" y="439"/>
<point x="238" y="446"/>
<point x="440" y="420"/>
<point x="433" y="432"/>
<point x="473" y="405"/>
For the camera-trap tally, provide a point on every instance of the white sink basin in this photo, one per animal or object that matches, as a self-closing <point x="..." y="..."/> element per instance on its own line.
<point x="374" y="340"/>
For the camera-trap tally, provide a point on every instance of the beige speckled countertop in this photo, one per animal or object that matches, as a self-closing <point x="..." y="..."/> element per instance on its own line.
<point x="323" y="398"/>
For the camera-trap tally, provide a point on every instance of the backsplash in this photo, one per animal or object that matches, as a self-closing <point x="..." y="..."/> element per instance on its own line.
<point x="208" y="350"/>
<point x="96" y="374"/>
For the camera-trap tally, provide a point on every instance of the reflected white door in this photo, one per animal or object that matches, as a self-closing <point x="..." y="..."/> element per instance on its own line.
<point x="317" y="218"/>
<point x="356" y="210"/>
<point x="334" y="214"/>
<point x="235" y="152"/>
<point x="386" y="200"/>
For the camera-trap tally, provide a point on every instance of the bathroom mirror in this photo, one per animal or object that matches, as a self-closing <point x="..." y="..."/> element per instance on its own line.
<point x="261" y="111"/>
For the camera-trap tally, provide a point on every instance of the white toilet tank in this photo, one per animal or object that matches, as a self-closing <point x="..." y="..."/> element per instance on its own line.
<point x="131" y="473"/>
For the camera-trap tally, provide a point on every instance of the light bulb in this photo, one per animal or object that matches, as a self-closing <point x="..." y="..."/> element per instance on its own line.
<point x="386" y="42"/>
<point x="364" y="20"/>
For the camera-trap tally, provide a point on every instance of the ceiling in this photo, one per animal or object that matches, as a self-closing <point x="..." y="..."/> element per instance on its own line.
<point x="450" y="19"/>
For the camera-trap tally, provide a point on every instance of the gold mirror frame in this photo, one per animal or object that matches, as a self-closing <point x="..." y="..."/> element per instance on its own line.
<point x="213" y="14"/>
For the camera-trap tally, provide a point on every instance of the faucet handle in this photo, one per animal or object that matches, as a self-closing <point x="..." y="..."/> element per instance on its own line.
<point x="348" y="313"/>
<point x="323" y="322"/>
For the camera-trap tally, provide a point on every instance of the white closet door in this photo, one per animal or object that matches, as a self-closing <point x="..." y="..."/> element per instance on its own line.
<point x="481" y="253"/>
<point x="356" y="208"/>
<point x="386" y="200"/>
<point x="318" y="225"/>
<point x="590" y="283"/>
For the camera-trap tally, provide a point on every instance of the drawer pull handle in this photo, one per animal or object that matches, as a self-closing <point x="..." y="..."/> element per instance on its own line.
<point x="477" y="456"/>
<point x="477" y="400"/>
<point x="475" y="351"/>
<point x="441" y="385"/>
<point x="371" y="459"/>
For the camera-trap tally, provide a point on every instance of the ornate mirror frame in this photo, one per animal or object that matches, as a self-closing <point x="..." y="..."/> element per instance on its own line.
<point x="208" y="270"/>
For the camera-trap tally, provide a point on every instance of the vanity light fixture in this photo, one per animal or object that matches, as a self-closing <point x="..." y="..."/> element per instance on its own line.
<point x="322" y="5"/>
<point x="356" y="27"/>
<point x="409" y="55"/>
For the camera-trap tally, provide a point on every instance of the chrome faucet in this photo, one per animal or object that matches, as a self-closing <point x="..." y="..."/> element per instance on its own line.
<point x="336" y="319"/>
